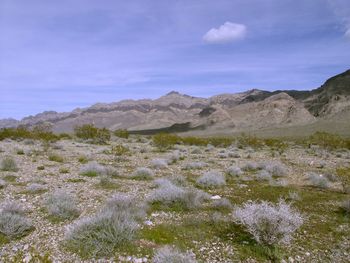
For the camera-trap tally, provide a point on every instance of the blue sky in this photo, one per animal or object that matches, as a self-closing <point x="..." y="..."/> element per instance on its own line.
<point x="59" y="55"/>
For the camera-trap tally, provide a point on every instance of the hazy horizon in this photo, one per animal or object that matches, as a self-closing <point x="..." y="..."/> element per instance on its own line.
<point x="64" y="55"/>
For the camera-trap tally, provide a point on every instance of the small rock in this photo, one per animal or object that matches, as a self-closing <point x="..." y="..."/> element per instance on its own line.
<point x="215" y="197"/>
<point x="149" y="223"/>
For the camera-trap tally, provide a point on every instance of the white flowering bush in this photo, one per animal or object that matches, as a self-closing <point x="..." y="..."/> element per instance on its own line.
<point x="211" y="179"/>
<point x="269" y="224"/>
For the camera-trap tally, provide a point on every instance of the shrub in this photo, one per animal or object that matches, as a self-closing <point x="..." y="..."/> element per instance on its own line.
<point x="276" y="169"/>
<point x="249" y="141"/>
<point x="263" y="175"/>
<point x="222" y="203"/>
<point x="174" y="157"/>
<point x="167" y="254"/>
<point x="194" y="141"/>
<point x="211" y="179"/>
<point x="92" y="169"/>
<point x="90" y="132"/>
<point x="143" y="173"/>
<point x="318" y="180"/>
<point x="328" y="141"/>
<point x="177" y="179"/>
<point x="195" y="165"/>
<point x="102" y="233"/>
<point x="196" y="151"/>
<point x="269" y="224"/>
<point x="8" y="164"/>
<point x="119" y="150"/>
<point x="169" y="195"/>
<point x="37" y="133"/>
<point x="159" y="163"/>
<point x="13" y="223"/>
<point x="250" y="166"/>
<point x="121" y="133"/>
<point x="234" y="171"/>
<point x="62" y="205"/>
<point x="164" y="141"/>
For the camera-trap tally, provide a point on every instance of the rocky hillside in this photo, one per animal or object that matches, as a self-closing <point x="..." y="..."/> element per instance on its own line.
<point x="251" y="110"/>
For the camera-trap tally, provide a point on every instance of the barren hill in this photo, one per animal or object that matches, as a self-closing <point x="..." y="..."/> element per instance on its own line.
<point x="247" y="111"/>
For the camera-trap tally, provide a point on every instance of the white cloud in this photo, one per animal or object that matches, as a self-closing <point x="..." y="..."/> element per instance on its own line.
<point x="227" y="32"/>
<point x="347" y="33"/>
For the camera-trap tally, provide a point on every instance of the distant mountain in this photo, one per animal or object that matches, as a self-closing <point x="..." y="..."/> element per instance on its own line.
<point x="245" y="111"/>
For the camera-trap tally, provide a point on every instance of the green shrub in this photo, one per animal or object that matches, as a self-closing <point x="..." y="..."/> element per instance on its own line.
<point x="39" y="132"/>
<point x="90" y="132"/>
<point x="328" y="141"/>
<point x="164" y="141"/>
<point x="122" y="133"/>
<point x="245" y="140"/>
<point x="119" y="150"/>
<point x="8" y="164"/>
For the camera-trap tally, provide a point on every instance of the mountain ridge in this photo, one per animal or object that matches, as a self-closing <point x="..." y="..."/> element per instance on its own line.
<point x="252" y="109"/>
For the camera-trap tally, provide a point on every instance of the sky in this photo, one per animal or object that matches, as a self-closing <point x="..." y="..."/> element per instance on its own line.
<point x="63" y="54"/>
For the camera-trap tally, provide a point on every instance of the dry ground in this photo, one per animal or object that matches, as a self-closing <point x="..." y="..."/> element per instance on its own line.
<point x="324" y="236"/>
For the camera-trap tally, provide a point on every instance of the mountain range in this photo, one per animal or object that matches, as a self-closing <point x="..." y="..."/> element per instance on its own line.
<point x="252" y="111"/>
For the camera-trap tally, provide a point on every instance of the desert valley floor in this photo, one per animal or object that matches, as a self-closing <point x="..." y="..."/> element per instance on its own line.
<point x="307" y="178"/>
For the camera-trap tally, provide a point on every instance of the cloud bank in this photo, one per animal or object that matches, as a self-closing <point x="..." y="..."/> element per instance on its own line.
<point x="227" y="32"/>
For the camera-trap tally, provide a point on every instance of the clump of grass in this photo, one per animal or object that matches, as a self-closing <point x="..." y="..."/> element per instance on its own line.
<point x="20" y="151"/>
<point x="8" y="164"/>
<point x="61" y="205"/>
<point x="92" y="169"/>
<point x="142" y="173"/>
<point x="40" y="168"/>
<point x="13" y="223"/>
<point x="56" y="158"/>
<point x="83" y="159"/>
<point x="318" y="180"/>
<point x="159" y="163"/>
<point x="269" y="224"/>
<point x="102" y="233"/>
<point x="10" y="178"/>
<point x="63" y="170"/>
<point x="211" y="179"/>
<point x="168" y="254"/>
